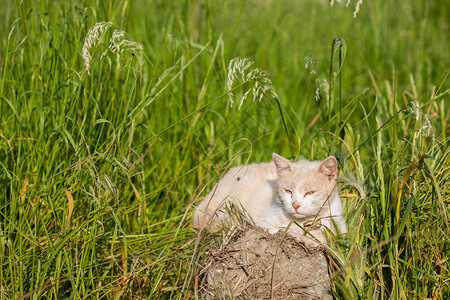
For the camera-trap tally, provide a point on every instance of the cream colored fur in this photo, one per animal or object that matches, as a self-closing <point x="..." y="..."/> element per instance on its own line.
<point x="275" y="193"/>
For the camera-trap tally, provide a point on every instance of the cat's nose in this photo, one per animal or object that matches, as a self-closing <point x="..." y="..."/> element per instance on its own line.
<point x="295" y="205"/>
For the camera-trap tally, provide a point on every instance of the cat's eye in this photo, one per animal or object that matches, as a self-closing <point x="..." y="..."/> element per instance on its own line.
<point x="289" y="192"/>
<point x="309" y="193"/>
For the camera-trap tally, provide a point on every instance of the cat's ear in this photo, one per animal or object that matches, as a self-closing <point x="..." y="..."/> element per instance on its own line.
<point x="281" y="163"/>
<point x="329" y="167"/>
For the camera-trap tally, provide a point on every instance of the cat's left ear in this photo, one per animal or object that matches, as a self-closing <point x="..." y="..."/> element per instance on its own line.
<point x="329" y="167"/>
<point x="282" y="164"/>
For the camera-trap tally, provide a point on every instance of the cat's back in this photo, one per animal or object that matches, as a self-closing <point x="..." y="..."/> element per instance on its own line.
<point x="251" y="174"/>
<point x="250" y="186"/>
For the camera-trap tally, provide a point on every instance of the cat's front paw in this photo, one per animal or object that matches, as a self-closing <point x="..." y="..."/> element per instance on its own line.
<point x="272" y="230"/>
<point x="267" y="227"/>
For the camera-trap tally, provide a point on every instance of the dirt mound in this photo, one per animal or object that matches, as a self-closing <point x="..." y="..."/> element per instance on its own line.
<point x="253" y="264"/>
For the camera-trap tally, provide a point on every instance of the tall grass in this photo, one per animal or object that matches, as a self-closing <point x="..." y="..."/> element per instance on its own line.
<point x="100" y="169"/>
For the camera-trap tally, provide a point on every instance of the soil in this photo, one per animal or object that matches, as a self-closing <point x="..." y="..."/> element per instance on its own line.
<point x="253" y="264"/>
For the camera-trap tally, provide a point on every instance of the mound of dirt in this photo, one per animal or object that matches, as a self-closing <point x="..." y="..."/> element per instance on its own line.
<point x="253" y="264"/>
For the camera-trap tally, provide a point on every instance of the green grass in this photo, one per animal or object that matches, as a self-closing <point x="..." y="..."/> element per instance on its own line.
<point x="99" y="171"/>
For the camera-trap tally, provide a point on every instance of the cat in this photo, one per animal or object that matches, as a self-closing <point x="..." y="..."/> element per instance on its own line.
<point x="276" y="193"/>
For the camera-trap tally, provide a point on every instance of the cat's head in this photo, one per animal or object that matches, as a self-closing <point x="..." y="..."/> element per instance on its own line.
<point x="304" y="187"/>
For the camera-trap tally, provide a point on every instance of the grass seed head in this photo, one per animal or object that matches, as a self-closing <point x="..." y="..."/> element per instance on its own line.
<point x="317" y="94"/>
<point x="118" y="44"/>
<point x="332" y="2"/>
<point x="240" y="71"/>
<point x="326" y="88"/>
<point x="421" y="117"/>
<point x="91" y="40"/>
<point x="357" y="6"/>
<point x="311" y="63"/>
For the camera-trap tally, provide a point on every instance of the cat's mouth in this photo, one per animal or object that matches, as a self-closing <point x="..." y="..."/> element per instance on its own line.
<point x="300" y="214"/>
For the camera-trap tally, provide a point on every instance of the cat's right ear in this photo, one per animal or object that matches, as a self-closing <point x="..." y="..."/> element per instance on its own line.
<point x="329" y="167"/>
<point x="281" y="163"/>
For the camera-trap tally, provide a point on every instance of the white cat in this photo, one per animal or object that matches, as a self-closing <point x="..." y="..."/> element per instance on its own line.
<point x="276" y="193"/>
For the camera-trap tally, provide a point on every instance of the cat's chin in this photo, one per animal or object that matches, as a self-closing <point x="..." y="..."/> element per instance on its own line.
<point x="300" y="216"/>
<point x="296" y="216"/>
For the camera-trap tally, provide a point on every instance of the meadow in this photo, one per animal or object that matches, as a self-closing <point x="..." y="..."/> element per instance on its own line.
<point x="117" y="116"/>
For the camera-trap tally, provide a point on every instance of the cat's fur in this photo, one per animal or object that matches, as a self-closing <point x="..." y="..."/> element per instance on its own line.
<point x="274" y="194"/>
